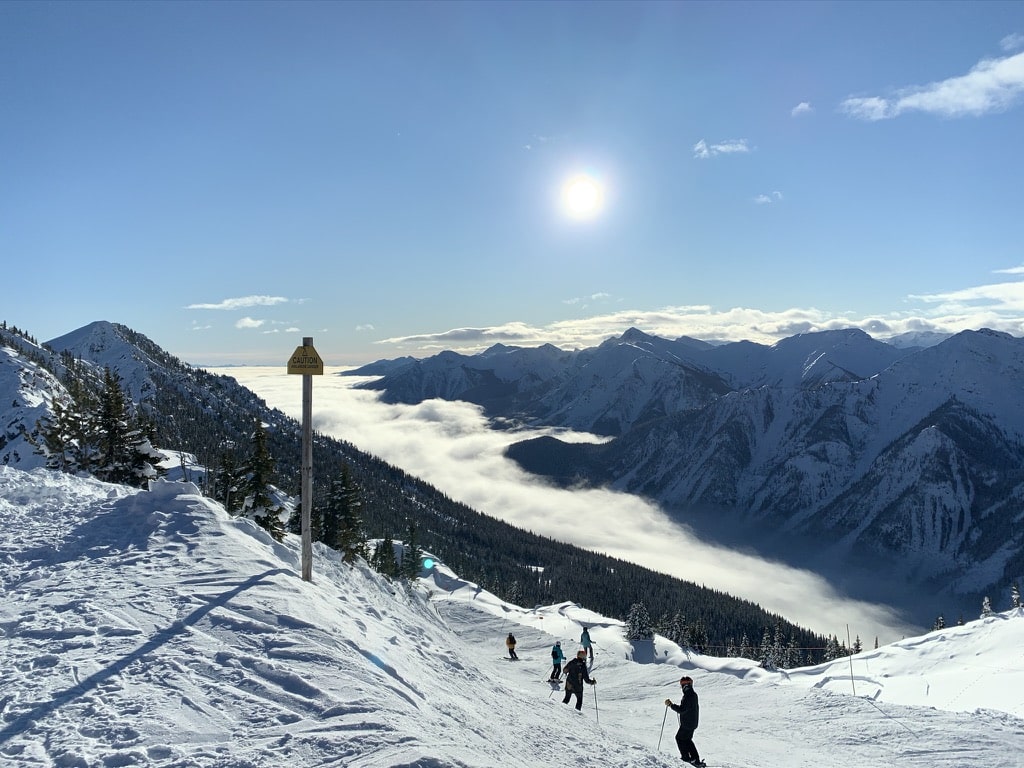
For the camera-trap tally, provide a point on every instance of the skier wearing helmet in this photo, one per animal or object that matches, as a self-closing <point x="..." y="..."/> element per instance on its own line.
<point x="557" y="657"/>
<point x="575" y="676"/>
<point x="689" y="714"/>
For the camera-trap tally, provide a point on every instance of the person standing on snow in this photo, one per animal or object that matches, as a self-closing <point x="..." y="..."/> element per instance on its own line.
<point x="557" y="657"/>
<point x="575" y="675"/>
<point x="510" y="643"/>
<point x="689" y="715"/>
<point x="587" y="645"/>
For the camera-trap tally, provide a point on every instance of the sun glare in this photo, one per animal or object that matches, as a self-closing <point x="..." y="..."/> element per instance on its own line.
<point x="582" y="196"/>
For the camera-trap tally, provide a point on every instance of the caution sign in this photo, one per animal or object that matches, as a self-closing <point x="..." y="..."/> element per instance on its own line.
<point x="306" y="361"/>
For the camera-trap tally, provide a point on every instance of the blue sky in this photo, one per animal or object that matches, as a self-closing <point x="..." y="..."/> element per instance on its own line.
<point x="227" y="178"/>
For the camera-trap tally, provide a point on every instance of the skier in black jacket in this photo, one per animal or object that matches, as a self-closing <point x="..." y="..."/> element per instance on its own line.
<point x="689" y="715"/>
<point x="575" y="674"/>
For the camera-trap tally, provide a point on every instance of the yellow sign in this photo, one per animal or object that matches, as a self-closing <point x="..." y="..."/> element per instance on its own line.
<point x="306" y="361"/>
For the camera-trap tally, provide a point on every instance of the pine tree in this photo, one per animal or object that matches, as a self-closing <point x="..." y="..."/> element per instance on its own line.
<point x="257" y="490"/>
<point x="699" y="636"/>
<point x="384" y="560"/>
<point x="56" y="437"/>
<point x="412" y="557"/>
<point x="986" y="607"/>
<point x="1015" y="600"/>
<point x="940" y="623"/>
<point x="342" y="514"/>
<point x="638" y="623"/>
<point x="746" y="649"/>
<point x="226" y="482"/>
<point x="765" y="651"/>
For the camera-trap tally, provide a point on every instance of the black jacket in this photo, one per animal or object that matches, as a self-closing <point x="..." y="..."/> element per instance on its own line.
<point x="688" y="709"/>
<point x="575" y="674"/>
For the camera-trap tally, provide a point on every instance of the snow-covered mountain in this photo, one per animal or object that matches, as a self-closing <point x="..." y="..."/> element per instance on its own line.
<point x="905" y="460"/>
<point x="150" y="628"/>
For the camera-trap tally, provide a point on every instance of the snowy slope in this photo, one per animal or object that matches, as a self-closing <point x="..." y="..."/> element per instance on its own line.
<point x="150" y="629"/>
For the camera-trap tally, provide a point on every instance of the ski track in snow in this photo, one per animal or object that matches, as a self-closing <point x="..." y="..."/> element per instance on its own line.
<point x="149" y="629"/>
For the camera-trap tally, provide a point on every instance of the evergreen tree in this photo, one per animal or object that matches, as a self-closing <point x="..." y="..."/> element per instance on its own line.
<point x="940" y="623"/>
<point x="794" y="655"/>
<point x="746" y="649"/>
<point x="1015" y="600"/>
<point x="257" y="491"/>
<point x="412" y="557"/>
<point x="698" y="639"/>
<point x="345" y="504"/>
<point x="765" y="651"/>
<point x="226" y="481"/>
<point x="56" y="440"/>
<point x="98" y="435"/>
<point x="638" y="623"/>
<point x="986" y="607"/>
<point x="384" y="560"/>
<point x="857" y="647"/>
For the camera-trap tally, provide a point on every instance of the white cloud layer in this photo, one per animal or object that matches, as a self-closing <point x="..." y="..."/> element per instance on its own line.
<point x="803" y="108"/>
<point x="992" y="85"/>
<point x="702" y="150"/>
<point x="999" y="306"/>
<point x="450" y="446"/>
<point x="242" y="302"/>
<point x="248" y="322"/>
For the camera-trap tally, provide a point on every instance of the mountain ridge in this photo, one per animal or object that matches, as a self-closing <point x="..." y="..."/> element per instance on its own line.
<point x="906" y="457"/>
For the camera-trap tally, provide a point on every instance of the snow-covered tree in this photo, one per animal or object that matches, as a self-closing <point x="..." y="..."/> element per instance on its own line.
<point x="1015" y="600"/>
<point x="986" y="607"/>
<point x="638" y="623"/>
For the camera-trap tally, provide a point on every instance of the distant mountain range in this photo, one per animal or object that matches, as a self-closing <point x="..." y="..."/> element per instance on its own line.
<point x="206" y="415"/>
<point x="896" y="470"/>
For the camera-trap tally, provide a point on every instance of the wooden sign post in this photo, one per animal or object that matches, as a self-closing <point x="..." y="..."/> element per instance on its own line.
<point x="307" y="362"/>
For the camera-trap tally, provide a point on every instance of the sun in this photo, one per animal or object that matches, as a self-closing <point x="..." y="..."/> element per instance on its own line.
<point x="582" y="196"/>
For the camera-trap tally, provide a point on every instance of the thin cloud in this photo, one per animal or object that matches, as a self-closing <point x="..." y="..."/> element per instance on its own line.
<point x="1012" y="42"/>
<point x="599" y="296"/>
<point x="992" y="85"/>
<point x="774" y="197"/>
<point x="242" y="302"/>
<point x="248" y="322"/>
<point x="365" y="327"/>
<point x="702" y="150"/>
<point x="803" y="108"/>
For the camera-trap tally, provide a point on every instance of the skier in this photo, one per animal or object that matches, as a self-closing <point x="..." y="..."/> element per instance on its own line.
<point x="587" y="645"/>
<point x="689" y="714"/>
<point x="575" y="675"/>
<point x="510" y="643"/>
<point x="557" y="657"/>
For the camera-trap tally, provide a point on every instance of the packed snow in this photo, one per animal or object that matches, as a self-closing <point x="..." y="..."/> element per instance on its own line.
<point x="150" y="628"/>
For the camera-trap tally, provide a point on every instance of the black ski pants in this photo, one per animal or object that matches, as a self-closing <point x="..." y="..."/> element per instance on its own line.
<point x="577" y="694"/>
<point x="687" y="749"/>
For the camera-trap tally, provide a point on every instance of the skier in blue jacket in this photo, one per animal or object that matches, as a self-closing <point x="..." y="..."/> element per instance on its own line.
<point x="557" y="657"/>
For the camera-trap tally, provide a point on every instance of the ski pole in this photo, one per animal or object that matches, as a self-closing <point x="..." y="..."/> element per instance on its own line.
<point x="597" y="712"/>
<point x="665" y="717"/>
